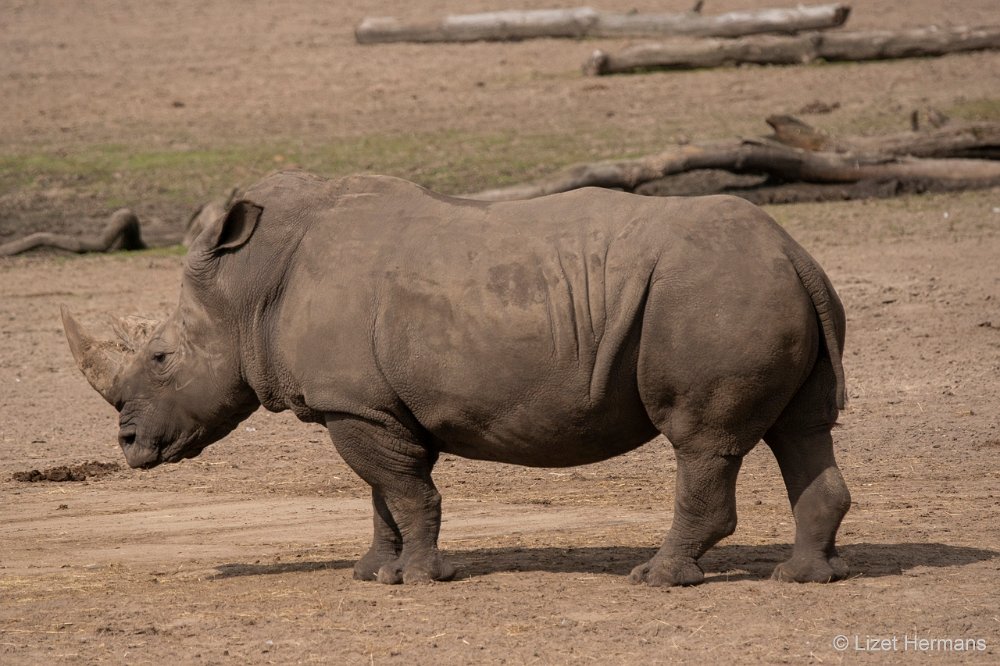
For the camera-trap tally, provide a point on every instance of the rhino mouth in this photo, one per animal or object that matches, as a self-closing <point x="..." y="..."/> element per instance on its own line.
<point x="141" y="453"/>
<point x="185" y="447"/>
<point x="137" y="455"/>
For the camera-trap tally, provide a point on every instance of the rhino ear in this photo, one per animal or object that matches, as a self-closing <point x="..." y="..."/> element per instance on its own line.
<point x="233" y="229"/>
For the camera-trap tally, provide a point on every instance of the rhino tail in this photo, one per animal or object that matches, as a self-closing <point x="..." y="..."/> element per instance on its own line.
<point x="829" y="311"/>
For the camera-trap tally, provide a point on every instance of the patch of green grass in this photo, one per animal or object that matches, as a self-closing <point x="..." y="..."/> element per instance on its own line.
<point x="869" y="122"/>
<point x="876" y="122"/>
<point x="115" y="175"/>
<point x="455" y="162"/>
<point x="984" y="108"/>
<point x="104" y="161"/>
<point x="178" y="179"/>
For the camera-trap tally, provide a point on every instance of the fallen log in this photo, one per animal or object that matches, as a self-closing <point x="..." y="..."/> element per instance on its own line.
<point x="782" y="162"/>
<point x="966" y="140"/>
<point x="513" y="25"/>
<point x="788" y="157"/>
<point x="796" y="49"/>
<point x="122" y="232"/>
<point x="782" y="193"/>
<point x="785" y="21"/>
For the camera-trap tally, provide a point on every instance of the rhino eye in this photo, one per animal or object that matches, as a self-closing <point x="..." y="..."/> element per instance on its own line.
<point x="159" y="357"/>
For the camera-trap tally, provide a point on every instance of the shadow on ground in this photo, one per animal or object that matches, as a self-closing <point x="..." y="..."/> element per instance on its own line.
<point x="724" y="563"/>
<point x="235" y="570"/>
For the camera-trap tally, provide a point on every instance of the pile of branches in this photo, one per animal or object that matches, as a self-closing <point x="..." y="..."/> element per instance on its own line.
<point x="799" y="163"/>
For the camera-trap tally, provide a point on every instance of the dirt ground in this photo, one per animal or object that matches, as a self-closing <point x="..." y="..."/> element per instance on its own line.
<point x="244" y="554"/>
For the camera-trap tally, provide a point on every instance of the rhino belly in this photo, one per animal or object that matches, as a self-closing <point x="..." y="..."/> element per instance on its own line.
<point x="560" y="427"/>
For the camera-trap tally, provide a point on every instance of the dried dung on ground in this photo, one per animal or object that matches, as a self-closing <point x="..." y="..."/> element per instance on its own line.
<point x="83" y="471"/>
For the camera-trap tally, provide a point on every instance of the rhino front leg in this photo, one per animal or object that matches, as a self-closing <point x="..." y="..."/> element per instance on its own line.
<point x="387" y="544"/>
<point x="406" y="503"/>
<point x="704" y="513"/>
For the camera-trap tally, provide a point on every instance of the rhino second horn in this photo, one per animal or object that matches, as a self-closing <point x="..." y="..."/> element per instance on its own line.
<point x="94" y="357"/>
<point x="134" y="331"/>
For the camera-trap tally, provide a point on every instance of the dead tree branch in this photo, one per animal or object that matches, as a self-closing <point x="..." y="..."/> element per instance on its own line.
<point x="801" y="156"/>
<point x="581" y="22"/>
<point x="796" y="49"/>
<point x="122" y="232"/>
<point x="966" y="140"/>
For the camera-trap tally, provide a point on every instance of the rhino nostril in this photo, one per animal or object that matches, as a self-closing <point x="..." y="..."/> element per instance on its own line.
<point x="126" y="437"/>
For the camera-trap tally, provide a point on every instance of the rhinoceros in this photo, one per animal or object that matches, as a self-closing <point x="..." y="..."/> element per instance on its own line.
<point x="552" y="332"/>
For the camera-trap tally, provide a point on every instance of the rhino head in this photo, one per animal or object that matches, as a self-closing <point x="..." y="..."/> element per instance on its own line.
<point x="177" y="384"/>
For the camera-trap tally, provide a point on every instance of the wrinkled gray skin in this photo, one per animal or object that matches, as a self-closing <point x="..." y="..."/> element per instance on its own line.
<point x="553" y="332"/>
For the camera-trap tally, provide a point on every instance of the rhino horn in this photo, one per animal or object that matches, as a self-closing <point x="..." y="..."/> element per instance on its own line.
<point x="100" y="361"/>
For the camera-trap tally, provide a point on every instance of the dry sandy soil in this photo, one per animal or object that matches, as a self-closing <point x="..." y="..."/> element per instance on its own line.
<point x="244" y="554"/>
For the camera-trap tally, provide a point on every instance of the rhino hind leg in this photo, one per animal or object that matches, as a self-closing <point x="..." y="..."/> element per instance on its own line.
<point x="802" y="443"/>
<point x="704" y="514"/>
<point x="819" y="499"/>
<point x="406" y="503"/>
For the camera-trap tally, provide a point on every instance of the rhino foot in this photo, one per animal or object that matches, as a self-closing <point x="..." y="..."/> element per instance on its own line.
<point x="368" y="567"/>
<point x="811" y="570"/>
<point x="840" y="568"/>
<point x="419" y="569"/>
<point x="667" y="572"/>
